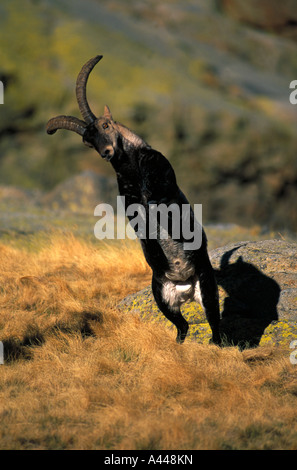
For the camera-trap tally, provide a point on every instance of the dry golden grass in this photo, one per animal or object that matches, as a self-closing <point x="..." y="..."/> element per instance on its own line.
<point x="79" y="374"/>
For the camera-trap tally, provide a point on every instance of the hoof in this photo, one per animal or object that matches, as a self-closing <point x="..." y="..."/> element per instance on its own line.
<point x="216" y="339"/>
<point x="181" y="334"/>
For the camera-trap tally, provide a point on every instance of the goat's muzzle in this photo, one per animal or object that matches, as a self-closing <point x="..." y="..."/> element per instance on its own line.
<point x="107" y="153"/>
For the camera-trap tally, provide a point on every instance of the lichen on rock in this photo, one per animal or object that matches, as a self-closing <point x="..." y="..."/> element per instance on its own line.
<point x="258" y="290"/>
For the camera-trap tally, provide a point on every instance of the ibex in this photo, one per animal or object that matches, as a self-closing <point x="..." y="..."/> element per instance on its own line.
<point x="146" y="177"/>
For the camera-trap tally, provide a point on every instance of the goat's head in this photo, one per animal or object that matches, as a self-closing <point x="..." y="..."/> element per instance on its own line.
<point x="103" y="133"/>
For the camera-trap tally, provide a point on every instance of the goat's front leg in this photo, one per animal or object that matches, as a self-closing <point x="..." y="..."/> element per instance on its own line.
<point x="206" y="293"/>
<point x="170" y="309"/>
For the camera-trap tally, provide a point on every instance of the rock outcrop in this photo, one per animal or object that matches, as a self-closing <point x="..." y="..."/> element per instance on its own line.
<point x="258" y="295"/>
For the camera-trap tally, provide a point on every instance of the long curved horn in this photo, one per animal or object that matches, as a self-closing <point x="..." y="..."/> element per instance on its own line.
<point x="66" y="122"/>
<point x="81" y="94"/>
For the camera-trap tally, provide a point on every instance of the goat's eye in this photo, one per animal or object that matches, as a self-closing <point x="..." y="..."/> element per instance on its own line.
<point x="105" y="125"/>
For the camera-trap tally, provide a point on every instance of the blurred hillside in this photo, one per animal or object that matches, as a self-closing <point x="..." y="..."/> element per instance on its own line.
<point x="206" y="82"/>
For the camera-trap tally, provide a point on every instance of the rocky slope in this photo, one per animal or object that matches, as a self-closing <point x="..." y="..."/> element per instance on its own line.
<point x="205" y="82"/>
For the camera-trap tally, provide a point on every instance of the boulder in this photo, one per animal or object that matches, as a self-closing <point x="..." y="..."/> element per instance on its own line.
<point x="258" y="295"/>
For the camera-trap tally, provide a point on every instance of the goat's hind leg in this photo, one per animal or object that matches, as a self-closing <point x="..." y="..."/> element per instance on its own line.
<point x="170" y="309"/>
<point x="206" y="292"/>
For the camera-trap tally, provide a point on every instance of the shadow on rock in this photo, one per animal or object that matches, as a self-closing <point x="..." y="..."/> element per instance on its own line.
<point x="251" y="302"/>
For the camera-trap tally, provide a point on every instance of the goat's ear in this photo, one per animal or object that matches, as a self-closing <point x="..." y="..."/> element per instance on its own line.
<point x="107" y="113"/>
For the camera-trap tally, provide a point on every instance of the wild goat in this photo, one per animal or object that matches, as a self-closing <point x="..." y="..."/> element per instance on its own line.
<point x="146" y="177"/>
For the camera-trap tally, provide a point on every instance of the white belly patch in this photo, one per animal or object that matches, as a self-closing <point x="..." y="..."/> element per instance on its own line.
<point x="176" y="294"/>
